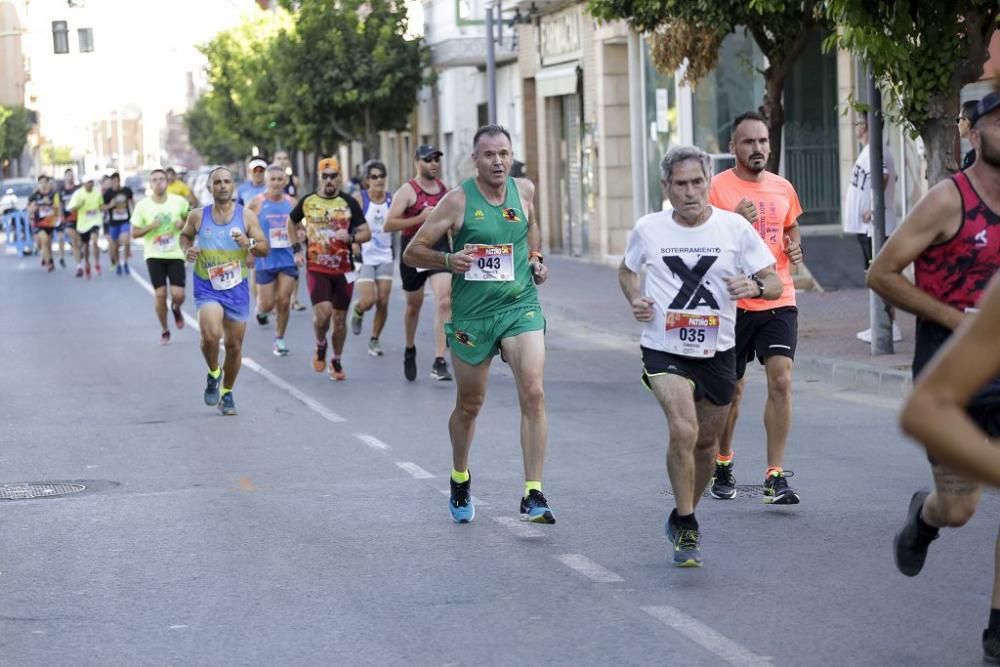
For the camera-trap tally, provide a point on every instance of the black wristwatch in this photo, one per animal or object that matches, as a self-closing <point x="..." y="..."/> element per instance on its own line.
<point x="760" y="286"/>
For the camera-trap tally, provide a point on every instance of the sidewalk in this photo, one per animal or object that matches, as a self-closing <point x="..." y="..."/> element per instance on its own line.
<point x="828" y="351"/>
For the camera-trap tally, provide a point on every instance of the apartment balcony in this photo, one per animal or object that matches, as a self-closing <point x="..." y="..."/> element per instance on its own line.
<point x="470" y="52"/>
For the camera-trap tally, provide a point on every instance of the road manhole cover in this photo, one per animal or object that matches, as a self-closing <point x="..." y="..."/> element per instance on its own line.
<point x="33" y="490"/>
<point x="742" y="491"/>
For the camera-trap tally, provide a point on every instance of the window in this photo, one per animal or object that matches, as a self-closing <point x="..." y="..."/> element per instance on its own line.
<point x="60" y="37"/>
<point x="86" y="36"/>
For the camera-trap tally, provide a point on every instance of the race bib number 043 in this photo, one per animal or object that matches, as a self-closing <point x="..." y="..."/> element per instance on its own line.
<point x="493" y="263"/>
<point x="691" y="334"/>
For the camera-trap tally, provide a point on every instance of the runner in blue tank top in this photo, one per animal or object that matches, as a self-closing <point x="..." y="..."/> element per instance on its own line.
<point x="277" y="272"/>
<point x="218" y="239"/>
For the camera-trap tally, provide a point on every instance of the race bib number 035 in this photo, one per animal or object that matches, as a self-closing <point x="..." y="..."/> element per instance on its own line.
<point x="225" y="276"/>
<point x="691" y="334"/>
<point x="493" y="263"/>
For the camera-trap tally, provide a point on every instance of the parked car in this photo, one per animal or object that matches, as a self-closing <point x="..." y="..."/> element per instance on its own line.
<point x="22" y="187"/>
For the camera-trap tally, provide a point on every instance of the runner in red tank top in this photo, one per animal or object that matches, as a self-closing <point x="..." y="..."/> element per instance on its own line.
<point x="411" y="205"/>
<point x="953" y="238"/>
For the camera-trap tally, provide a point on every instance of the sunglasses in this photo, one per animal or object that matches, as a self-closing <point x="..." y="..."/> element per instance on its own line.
<point x="376" y="176"/>
<point x="256" y="169"/>
<point x="329" y="176"/>
<point x="428" y="160"/>
<point x="959" y="119"/>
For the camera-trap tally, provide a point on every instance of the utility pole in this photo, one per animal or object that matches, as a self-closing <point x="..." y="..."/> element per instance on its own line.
<point x="491" y="68"/>
<point x="881" y="325"/>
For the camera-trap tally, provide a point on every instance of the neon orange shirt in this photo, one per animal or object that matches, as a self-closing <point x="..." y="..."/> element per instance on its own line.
<point x="777" y="209"/>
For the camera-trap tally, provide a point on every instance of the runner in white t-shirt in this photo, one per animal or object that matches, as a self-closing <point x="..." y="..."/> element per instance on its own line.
<point x="374" y="283"/>
<point x="699" y="260"/>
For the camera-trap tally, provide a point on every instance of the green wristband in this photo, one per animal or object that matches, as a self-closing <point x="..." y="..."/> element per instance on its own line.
<point x="447" y="263"/>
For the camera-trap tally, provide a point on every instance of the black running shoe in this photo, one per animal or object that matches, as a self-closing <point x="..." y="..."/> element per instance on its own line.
<point x="991" y="645"/>
<point x="439" y="371"/>
<point x="535" y="508"/>
<point x="911" y="542"/>
<point x="686" y="545"/>
<point x="262" y="319"/>
<point x="777" y="491"/>
<point x="410" y="363"/>
<point x="723" y="482"/>
<point x="460" y="504"/>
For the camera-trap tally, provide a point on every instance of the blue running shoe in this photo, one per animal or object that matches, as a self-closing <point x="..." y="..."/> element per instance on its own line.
<point x="535" y="508"/>
<point x="227" y="406"/>
<point x="212" y="390"/>
<point x="460" y="504"/>
<point x="126" y="269"/>
<point x="686" y="543"/>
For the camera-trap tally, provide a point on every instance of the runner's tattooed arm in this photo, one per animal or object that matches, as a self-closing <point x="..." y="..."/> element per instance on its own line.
<point x="446" y="217"/>
<point x="934" y="219"/>
<point x="935" y="415"/>
<point x="402" y="200"/>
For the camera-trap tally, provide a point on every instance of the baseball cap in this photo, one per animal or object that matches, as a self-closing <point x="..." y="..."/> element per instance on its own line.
<point x="986" y="105"/>
<point x="255" y="163"/>
<point x="331" y="163"/>
<point x="426" y="151"/>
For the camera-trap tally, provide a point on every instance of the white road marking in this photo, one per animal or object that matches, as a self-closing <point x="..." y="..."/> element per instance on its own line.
<point x="177" y="627"/>
<point x="371" y="441"/>
<point x="309" y="402"/>
<point x="588" y="568"/>
<point x="416" y="471"/>
<point x="518" y="527"/>
<point x="706" y="637"/>
<point x="871" y="400"/>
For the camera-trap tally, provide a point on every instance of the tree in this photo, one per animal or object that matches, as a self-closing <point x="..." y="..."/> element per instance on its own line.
<point x="209" y="132"/>
<point x="682" y="30"/>
<point x="57" y="155"/>
<point x="922" y="52"/>
<point x="15" y="124"/>
<point x="242" y="109"/>
<point x="351" y="70"/>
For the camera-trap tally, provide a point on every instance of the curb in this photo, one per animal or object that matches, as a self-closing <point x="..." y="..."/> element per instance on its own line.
<point x="853" y="376"/>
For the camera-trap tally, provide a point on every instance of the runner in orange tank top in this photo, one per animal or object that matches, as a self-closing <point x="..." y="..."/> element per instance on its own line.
<point x="766" y="330"/>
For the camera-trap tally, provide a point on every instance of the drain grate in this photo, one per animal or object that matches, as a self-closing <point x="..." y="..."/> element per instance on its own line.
<point x="742" y="491"/>
<point x="33" y="490"/>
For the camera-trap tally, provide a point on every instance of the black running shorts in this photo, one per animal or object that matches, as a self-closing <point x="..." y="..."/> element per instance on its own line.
<point x="412" y="279"/>
<point x="714" y="378"/>
<point x="162" y="270"/>
<point x="765" y="333"/>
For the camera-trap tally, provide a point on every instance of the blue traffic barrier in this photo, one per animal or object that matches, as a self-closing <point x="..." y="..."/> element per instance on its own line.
<point x="18" y="231"/>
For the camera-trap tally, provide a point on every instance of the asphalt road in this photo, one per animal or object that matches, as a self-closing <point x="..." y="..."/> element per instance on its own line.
<point x="313" y="528"/>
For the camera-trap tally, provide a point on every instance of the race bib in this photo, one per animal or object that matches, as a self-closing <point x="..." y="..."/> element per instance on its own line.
<point x="165" y="242"/>
<point x="492" y="263"/>
<point x="45" y="212"/>
<point x="119" y="215"/>
<point x="225" y="276"/>
<point x="691" y="334"/>
<point x="278" y="237"/>
<point x="92" y="213"/>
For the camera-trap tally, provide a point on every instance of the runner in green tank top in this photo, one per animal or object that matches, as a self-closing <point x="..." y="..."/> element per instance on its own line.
<point x="494" y="306"/>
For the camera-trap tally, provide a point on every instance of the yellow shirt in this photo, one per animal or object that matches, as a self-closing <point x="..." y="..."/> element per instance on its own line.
<point x="180" y="189"/>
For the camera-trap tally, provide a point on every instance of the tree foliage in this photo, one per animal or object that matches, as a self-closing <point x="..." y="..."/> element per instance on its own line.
<point x="312" y="76"/>
<point x="353" y="71"/>
<point x="15" y="124"/>
<point x="922" y="52"/>
<point x="685" y="31"/>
